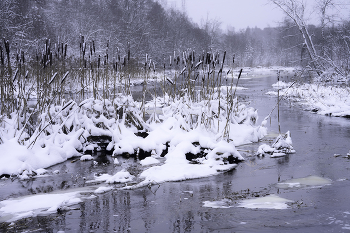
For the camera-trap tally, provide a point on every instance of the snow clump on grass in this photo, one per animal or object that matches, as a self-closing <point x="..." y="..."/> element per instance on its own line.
<point x="280" y="147"/>
<point x="209" y="127"/>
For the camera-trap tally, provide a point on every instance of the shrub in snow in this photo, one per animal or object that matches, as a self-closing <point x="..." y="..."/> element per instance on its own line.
<point x="281" y="146"/>
<point x="283" y="143"/>
<point x="212" y="127"/>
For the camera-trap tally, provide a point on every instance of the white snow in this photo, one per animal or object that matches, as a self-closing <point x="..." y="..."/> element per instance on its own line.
<point x="281" y="146"/>
<point x="116" y="161"/>
<point x="86" y="158"/>
<point x="122" y="176"/>
<point x="328" y="100"/>
<point x="30" y="206"/>
<point x="180" y="122"/>
<point x="103" y="189"/>
<point x="149" y="161"/>
<point x="41" y="171"/>
<point x="268" y="202"/>
<point x="212" y="127"/>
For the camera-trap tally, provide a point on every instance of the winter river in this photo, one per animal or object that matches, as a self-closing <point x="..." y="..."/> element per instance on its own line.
<point x="303" y="192"/>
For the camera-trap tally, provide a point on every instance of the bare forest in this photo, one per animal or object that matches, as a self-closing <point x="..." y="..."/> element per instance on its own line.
<point x="108" y="29"/>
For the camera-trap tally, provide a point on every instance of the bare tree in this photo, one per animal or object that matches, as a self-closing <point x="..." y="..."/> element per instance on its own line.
<point x="295" y="9"/>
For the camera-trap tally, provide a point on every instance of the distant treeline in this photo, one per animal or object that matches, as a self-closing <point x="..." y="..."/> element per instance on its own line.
<point x="145" y="27"/>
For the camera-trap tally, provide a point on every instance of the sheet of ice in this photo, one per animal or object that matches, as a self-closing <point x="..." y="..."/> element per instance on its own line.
<point x="179" y="171"/>
<point x="30" y="206"/>
<point x="223" y="204"/>
<point x="277" y="155"/>
<point x="310" y="181"/>
<point x="268" y="202"/>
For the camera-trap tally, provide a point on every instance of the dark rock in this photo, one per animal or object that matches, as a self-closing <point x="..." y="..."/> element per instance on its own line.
<point x="99" y="139"/>
<point x="102" y="159"/>
<point x="144" y="154"/>
<point x="141" y="134"/>
<point x="233" y="160"/>
<point x="5" y="176"/>
<point x="166" y="150"/>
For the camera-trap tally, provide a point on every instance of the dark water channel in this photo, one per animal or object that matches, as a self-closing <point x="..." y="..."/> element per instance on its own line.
<point x="178" y="206"/>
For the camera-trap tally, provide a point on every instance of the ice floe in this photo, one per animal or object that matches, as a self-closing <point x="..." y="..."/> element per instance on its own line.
<point x="310" y="181"/>
<point x="268" y="202"/>
<point x="223" y="204"/>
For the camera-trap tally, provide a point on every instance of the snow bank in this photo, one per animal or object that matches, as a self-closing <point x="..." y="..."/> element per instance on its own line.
<point x="149" y="161"/>
<point x="198" y="138"/>
<point x="321" y="99"/>
<point x="31" y="206"/>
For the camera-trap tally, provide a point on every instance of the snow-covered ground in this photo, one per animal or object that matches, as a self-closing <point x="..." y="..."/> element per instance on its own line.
<point x="212" y="127"/>
<point x="322" y="99"/>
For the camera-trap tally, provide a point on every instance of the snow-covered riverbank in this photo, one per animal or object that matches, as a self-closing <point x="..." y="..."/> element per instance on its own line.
<point x="322" y="99"/>
<point x="185" y="128"/>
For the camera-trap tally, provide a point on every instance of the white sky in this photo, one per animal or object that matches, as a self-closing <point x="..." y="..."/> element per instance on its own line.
<point x="234" y="13"/>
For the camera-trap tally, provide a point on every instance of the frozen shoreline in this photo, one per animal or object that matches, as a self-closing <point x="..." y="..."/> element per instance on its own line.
<point x="318" y="98"/>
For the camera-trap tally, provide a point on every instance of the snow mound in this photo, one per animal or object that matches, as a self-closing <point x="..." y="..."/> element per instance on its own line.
<point x="122" y="176"/>
<point x="280" y="147"/>
<point x="86" y="158"/>
<point x="149" y="161"/>
<point x="31" y="206"/>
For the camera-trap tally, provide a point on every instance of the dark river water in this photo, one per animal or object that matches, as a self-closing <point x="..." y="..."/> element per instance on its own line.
<point x="178" y="206"/>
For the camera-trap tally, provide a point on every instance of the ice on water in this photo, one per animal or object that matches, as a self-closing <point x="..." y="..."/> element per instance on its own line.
<point x="310" y="181"/>
<point x="268" y="202"/>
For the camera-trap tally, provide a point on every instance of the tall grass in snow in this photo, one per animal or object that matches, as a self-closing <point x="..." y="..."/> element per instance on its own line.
<point x="31" y="88"/>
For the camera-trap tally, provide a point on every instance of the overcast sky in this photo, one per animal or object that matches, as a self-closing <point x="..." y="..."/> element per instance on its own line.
<point x="235" y="13"/>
